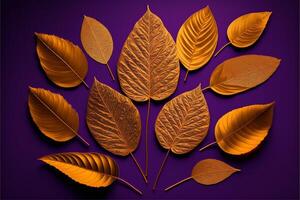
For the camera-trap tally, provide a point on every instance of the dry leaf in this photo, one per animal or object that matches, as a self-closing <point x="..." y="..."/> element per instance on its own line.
<point x="241" y="130"/>
<point x="208" y="172"/>
<point x="197" y="39"/>
<point x="113" y="120"/>
<point x="63" y="61"/>
<point x="246" y="29"/>
<point x="182" y="123"/>
<point x="148" y="66"/>
<point x="53" y="115"/>
<point x="241" y="73"/>
<point x="97" y="41"/>
<point x="91" y="169"/>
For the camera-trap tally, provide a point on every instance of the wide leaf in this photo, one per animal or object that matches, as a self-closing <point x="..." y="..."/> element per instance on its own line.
<point x="63" y="61"/>
<point x="242" y="130"/>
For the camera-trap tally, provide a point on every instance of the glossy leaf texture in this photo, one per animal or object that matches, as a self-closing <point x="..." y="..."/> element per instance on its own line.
<point x="53" y="115"/>
<point x="113" y="120"/>
<point x="63" y="62"/>
<point x="242" y="130"/>
<point x="212" y="171"/>
<point x="246" y="29"/>
<point x="96" y="40"/>
<point x="148" y="66"/>
<point x="183" y="122"/>
<point x="242" y="73"/>
<point x="197" y="39"/>
<point x="91" y="169"/>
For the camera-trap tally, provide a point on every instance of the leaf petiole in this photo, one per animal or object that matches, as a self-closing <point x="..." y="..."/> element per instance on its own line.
<point x="178" y="183"/>
<point x="206" y="146"/>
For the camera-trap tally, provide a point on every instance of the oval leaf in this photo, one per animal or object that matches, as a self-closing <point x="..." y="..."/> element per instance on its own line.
<point x="91" y="169"/>
<point x="63" y="62"/>
<point x="53" y="115"/>
<point x="197" y="39"/>
<point x="211" y="171"/>
<point x="183" y="122"/>
<point x="113" y="120"/>
<point x="241" y="73"/>
<point x="241" y="130"/>
<point x="96" y="40"/>
<point x="148" y="66"/>
<point x="245" y="30"/>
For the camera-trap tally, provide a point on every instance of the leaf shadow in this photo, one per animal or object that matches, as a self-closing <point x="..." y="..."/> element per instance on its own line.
<point x="246" y="157"/>
<point x="46" y="140"/>
<point x="80" y="191"/>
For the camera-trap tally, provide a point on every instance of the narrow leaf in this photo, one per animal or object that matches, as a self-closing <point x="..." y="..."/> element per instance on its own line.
<point x="97" y="41"/>
<point x="241" y="130"/>
<point x="53" y="115"/>
<point x="90" y="169"/>
<point x="242" y="73"/>
<point x="197" y="39"/>
<point x="63" y="62"/>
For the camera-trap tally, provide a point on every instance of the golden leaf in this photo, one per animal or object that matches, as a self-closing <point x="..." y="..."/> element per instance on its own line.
<point x="53" y="115"/>
<point x="148" y="66"/>
<point x="246" y="29"/>
<point x="113" y="120"/>
<point x="63" y="62"/>
<point x="241" y="130"/>
<point x="91" y="169"/>
<point x="182" y="123"/>
<point x="241" y="73"/>
<point x="197" y="39"/>
<point x="97" y="41"/>
<point x="208" y="172"/>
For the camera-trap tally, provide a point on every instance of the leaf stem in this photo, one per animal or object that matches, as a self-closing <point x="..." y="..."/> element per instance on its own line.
<point x="208" y="87"/>
<point x="139" y="167"/>
<point x="86" y="85"/>
<point x="178" y="183"/>
<point x="110" y="72"/>
<point x="146" y="141"/>
<point x="206" y="146"/>
<point x="186" y="75"/>
<point x="222" y="48"/>
<point x="160" y="170"/>
<point x="128" y="184"/>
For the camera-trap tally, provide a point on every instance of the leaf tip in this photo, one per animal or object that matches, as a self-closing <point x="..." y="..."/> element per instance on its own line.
<point x="148" y="8"/>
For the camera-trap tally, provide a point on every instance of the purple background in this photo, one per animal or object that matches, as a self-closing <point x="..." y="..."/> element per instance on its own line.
<point x="270" y="172"/>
